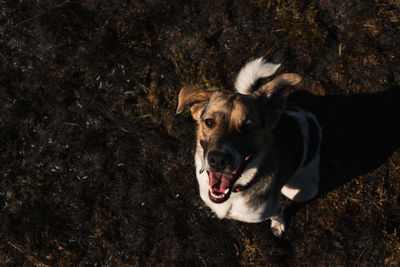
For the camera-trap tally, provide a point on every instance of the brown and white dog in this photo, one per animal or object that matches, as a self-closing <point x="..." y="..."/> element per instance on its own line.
<point x="251" y="147"/>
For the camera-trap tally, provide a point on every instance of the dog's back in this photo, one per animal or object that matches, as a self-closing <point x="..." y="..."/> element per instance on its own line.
<point x="299" y="134"/>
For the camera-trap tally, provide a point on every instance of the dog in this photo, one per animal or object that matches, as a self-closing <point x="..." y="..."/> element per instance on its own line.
<point x="252" y="145"/>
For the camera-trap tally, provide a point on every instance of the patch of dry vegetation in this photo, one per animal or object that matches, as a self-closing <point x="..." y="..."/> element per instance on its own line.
<point x="96" y="168"/>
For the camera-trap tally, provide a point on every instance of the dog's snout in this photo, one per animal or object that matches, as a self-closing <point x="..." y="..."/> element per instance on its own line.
<point x="219" y="160"/>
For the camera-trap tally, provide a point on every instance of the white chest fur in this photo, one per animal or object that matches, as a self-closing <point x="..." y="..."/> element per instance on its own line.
<point x="237" y="206"/>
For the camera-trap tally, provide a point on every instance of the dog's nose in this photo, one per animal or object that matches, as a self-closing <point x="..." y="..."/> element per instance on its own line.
<point x="219" y="160"/>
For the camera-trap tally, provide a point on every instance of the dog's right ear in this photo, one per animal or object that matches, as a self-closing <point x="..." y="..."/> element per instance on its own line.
<point x="195" y="97"/>
<point x="272" y="96"/>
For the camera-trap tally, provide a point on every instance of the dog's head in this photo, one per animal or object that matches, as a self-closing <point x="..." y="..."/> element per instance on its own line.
<point x="233" y="128"/>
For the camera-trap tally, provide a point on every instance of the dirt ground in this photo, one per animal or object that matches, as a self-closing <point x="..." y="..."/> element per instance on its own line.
<point x="96" y="168"/>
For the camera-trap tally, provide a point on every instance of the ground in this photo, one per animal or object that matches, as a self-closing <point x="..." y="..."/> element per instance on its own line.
<point x="96" y="168"/>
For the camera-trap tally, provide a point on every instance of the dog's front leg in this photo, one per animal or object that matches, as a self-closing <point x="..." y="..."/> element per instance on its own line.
<point x="278" y="224"/>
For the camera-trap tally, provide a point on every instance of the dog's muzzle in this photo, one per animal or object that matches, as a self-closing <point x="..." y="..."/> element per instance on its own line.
<point x="221" y="183"/>
<point x="219" y="160"/>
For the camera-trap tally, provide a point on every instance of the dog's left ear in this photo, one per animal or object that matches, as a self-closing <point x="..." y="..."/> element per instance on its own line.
<point x="273" y="95"/>
<point x="195" y="97"/>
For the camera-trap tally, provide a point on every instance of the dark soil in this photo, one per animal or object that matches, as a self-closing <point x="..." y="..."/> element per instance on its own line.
<point x="96" y="168"/>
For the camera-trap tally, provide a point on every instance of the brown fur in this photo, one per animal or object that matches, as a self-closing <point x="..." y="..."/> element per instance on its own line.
<point x="278" y="83"/>
<point x="243" y="121"/>
<point x="231" y="113"/>
<point x="194" y="96"/>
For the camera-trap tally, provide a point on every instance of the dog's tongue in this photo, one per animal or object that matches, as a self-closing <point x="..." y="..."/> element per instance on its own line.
<point x="220" y="182"/>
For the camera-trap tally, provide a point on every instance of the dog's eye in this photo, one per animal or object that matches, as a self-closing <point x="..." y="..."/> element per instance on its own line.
<point x="248" y="126"/>
<point x="209" y="123"/>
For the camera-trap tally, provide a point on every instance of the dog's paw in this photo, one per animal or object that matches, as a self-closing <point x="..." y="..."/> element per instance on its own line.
<point x="278" y="227"/>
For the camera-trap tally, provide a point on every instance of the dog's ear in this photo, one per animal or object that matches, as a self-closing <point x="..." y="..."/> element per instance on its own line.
<point x="195" y="97"/>
<point x="272" y="96"/>
<point x="280" y="84"/>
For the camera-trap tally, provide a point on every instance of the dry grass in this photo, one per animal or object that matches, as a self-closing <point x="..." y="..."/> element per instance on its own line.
<point x="96" y="168"/>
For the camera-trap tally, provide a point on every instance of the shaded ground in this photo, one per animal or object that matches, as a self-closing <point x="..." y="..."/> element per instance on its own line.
<point x="97" y="169"/>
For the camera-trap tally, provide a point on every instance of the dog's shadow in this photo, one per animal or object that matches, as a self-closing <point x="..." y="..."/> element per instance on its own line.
<point x="360" y="132"/>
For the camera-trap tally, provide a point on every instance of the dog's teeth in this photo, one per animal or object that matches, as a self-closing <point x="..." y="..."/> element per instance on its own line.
<point x="226" y="191"/>
<point x="219" y="196"/>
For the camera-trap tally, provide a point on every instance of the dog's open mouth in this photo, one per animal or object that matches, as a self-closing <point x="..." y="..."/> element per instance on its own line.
<point x="220" y="184"/>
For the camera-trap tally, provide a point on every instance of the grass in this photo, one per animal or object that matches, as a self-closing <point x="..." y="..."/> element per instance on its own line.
<point x="124" y="192"/>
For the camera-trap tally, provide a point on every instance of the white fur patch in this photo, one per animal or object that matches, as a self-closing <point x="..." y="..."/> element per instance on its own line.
<point x="289" y="192"/>
<point x="253" y="71"/>
<point x="251" y="170"/>
<point x="236" y="207"/>
<point x="303" y="185"/>
<point x="278" y="225"/>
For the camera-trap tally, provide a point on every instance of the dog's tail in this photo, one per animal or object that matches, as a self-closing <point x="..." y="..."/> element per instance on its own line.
<point x="253" y="71"/>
